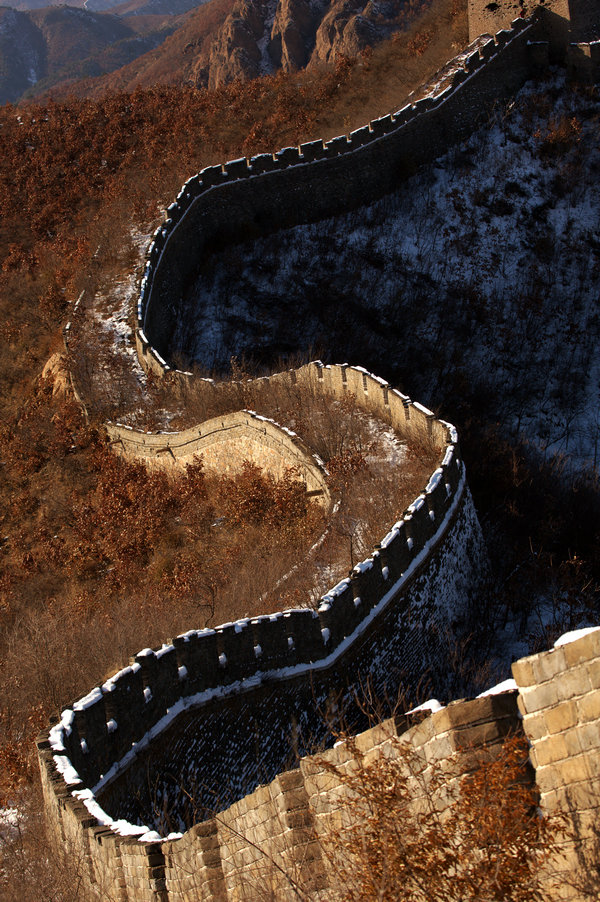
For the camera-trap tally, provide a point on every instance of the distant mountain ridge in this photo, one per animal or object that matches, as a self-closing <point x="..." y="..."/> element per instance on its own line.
<point x="57" y="43"/>
<point x="262" y="36"/>
<point x="66" y="49"/>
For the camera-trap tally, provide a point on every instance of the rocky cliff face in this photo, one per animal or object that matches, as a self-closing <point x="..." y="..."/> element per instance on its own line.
<point x="261" y="36"/>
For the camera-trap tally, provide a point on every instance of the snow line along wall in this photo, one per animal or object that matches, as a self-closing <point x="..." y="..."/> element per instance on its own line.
<point x="223" y="708"/>
<point x="245" y="198"/>
<point x="241" y="851"/>
<point x="224" y="443"/>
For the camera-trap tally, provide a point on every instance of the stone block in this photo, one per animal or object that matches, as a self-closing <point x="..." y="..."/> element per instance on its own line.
<point x="593" y="671"/>
<point x="575" y="797"/>
<point x="574" y="682"/>
<point x="572" y="740"/>
<point x="547" y="665"/>
<point x="288" y="156"/>
<point x="439" y="748"/>
<point x="337" y="145"/>
<point x="592" y="758"/>
<point x="588" y="736"/>
<point x="383" y="732"/>
<point x="469" y="712"/>
<point x="290" y="779"/>
<point x="561" y="717"/>
<point x="483" y="734"/>
<point x="522" y="672"/>
<point x="293" y="799"/>
<point x="573" y="770"/>
<point x="263" y="162"/>
<point x="538" y="698"/>
<point x="588" y="708"/>
<point x="423" y="732"/>
<point x="535" y="726"/>
<point x="211" y="175"/>
<point x="549" y="750"/>
<point x="360" y="136"/>
<point x="312" y="150"/>
<point x="547" y="779"/>
<point x="587" y="648"/>
<point x="236" y="169"/>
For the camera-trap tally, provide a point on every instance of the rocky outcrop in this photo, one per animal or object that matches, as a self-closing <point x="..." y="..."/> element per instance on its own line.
<point x="260" y="37"/>
<point x="347" y="29"/>
<point x="293" y="33"/>
<point x="238" y="50"/>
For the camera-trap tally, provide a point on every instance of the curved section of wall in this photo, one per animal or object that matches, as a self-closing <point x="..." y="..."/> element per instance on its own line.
<point x="245" y="198"/>
<point x="263" y="680"/>
<point x="278" y="826"/>
<point x="224" y="443"/>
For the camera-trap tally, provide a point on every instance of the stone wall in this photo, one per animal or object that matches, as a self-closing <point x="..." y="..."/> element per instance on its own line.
<point x="563" y="20"/>
<point x="559" y="698"/>
<point x="583" y="62"/>
<point x="107" y="764"/>
<point x="224" y="443"/>
<point x="273" y="838"/>
<point x="245" y="198"/>
<point x="233" y="705"/>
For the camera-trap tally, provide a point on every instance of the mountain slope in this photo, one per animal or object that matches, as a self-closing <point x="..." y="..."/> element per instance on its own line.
<point x="227" y="39"/>
<point x="43" y="47"/>
<point x="22" y="54"/>
<point x="262" y="36"/>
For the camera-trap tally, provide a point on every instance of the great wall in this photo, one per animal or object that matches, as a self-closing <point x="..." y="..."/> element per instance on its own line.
<point x="223" y="716"/>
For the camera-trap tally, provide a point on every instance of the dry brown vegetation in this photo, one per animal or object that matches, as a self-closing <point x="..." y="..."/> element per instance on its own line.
<point x="409" y="834"/>
<point x="127" y="557"/>
<point x="402" y="826"/>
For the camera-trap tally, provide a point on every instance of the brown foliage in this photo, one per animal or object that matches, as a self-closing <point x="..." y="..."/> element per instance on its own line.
<point x="409" y="834"/>
<point x="561" y="136"/>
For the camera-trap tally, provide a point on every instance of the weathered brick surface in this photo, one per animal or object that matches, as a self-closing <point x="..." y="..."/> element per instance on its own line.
<point x="562" y="722"/>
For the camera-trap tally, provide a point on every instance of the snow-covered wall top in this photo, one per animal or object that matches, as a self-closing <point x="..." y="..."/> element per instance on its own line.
<point x="245" y="198"/>
<point x="425" y="567"/>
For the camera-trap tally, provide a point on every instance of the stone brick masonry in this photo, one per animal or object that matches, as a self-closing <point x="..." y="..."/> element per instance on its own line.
<point x="271" y="840"/>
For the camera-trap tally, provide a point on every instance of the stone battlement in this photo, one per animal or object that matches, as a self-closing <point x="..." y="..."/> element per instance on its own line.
<point x="246" y="198"/>
<point x="223" y="443"/>
<point x="234" y="706"/>
<point x="279" y="828"/>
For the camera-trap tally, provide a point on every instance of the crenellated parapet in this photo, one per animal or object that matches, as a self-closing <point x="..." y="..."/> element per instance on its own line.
<point x="247" y="198"/>
<point x="275" y="836"/>
<point x="224" y="443"/>
<point x="100" y="730"/>
<point x="392" y="612"/>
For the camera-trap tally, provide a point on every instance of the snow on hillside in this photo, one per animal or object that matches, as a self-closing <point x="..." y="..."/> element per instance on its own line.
<point x="480" y="275"/>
